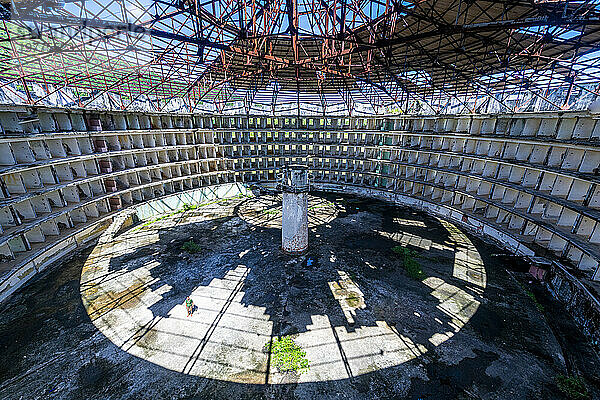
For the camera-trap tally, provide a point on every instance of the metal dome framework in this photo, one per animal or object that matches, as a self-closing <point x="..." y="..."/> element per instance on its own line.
<point x="301" y="57"/>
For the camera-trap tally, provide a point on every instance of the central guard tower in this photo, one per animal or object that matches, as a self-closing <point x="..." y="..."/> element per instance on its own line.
<point x="294" y="219"/>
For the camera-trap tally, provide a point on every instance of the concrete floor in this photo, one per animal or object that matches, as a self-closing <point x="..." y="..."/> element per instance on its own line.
<point x="111" y="323"/>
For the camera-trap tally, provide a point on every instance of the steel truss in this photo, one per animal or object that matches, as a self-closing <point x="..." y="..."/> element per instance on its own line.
<point x="302" y="56"/>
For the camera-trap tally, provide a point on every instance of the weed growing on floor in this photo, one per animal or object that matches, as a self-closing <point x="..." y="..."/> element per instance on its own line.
<point x="153" y="221"/>
<point x="271" y="212"/>
<point x="535" y="301"/>
<point x="411" y="266"/>
<point x="403" y="251"/>
<point x="188" y="207"/>
<point x="530" y="294"/>
<point x="286" y="355"/>
<point x="323" y="205"/>
<point x="573" y="387"/>
<point x="191" y="247"/>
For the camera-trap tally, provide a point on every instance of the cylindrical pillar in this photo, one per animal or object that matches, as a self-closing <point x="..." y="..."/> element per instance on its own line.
<point x="294" y="220"/>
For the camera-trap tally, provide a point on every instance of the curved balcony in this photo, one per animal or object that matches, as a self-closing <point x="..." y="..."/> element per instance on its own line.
<point x="529" y="181"/>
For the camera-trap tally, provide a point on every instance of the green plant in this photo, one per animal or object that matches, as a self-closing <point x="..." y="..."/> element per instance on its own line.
<point x="411" y="266"/>
<point x="188" y="207"/>
<point x="271" y="212"/>
<point x="156" y="220"/>
<point x="191" y="247"/>
<point x="353" y="299"/>
<point x="286" y="355"/>
<point x="535" y="301"/>
<point x="529" y="293"/>
<point x="322" y="205"/>
<point x="572" y="386"/>
<point x="403" y="251"/>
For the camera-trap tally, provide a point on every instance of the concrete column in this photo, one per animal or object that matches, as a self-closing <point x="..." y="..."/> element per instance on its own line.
<point x="294" y="220"/>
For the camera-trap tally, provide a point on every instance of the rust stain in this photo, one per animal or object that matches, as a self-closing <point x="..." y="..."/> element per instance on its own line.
<point x="91" y="291"/>
<point x="354" y="300"/>
<point x="251" y="375"/>
<point x="98" y="304"/>
<point x="24" y="274"/>
<point x="148" y="342"/>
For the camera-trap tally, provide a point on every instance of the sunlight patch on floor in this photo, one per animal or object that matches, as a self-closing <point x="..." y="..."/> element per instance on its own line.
<point x="225" y="338"/>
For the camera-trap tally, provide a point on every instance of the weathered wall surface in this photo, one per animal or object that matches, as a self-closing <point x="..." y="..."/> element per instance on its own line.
<point x="581" y="303"/>
<point x="528" y="180"/>
<point x="86" y="235"/>
<point x="294" y="224"/>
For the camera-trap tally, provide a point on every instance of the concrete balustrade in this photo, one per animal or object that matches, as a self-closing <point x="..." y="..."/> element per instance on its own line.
<point x="528" y="180"/>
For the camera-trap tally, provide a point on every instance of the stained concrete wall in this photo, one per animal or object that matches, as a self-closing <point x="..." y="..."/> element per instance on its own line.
<point x="52" y="252"/>
<point x="294" y="223"/>
<point x="577" y="298"/>
<point x="529" y="180"/>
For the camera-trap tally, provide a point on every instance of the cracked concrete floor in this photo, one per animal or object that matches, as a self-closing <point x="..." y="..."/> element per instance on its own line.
<point x="111" y="323"/>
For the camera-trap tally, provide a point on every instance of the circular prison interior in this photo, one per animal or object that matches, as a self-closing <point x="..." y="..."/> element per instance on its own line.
<point x="379" y="285"/>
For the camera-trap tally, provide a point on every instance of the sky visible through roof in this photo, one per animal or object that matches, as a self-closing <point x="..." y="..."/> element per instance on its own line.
<point x="346" y="57"/>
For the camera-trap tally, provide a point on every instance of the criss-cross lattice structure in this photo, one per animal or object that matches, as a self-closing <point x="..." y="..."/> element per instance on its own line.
<point x="334" y="57"/>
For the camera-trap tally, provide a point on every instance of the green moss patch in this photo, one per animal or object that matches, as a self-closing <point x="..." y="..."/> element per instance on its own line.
<point x="411" y="266"/>
<point x="573" y="387"/>
<point x="191" y="247"/>
<point x="286" y="355"/>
